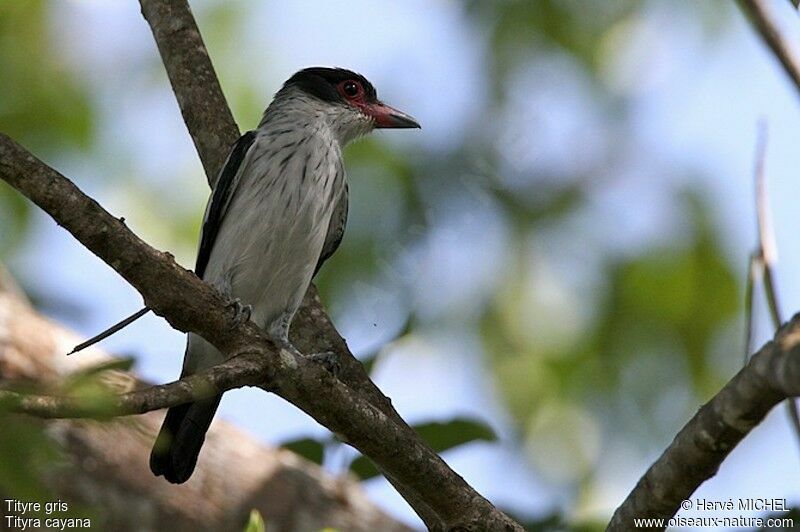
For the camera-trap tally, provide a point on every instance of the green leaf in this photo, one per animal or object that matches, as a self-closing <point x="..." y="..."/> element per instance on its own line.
<point x="42" y="103"/>
<point x="27" y="455"/>
<point x="91" y="386"/>
<point x="363" y="468"/>
<point x="255" y="523"/>
<point x="308" y="448"/>
<point x="458" y="431"/>
<point x="92" y="372"/>
<point x="441" y="436"/>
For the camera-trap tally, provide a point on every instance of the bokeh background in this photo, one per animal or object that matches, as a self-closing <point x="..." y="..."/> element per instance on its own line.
<point x="558" y="255"/>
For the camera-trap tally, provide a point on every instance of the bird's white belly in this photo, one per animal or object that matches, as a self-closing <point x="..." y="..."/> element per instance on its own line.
<point x="276" y="270"/>
<point x="266" y="255"/>
<point x="272" y="235"/>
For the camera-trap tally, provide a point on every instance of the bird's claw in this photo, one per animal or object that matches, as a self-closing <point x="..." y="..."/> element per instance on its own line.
<point x="329" y="360"/>
<point x="241" y="312"/>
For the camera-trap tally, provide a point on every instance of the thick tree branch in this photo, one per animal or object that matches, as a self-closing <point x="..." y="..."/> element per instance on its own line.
<point x="764" y="21"/>
<point x="191" y="305"/>
<point x="772" y="375"/>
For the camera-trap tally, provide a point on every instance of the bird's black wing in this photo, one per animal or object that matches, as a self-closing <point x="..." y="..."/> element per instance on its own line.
<point x="220" y="199"/>
<point x="335" y="229"/>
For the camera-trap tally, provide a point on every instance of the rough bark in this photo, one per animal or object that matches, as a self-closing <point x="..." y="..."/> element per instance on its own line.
<point x="106" y="467"/>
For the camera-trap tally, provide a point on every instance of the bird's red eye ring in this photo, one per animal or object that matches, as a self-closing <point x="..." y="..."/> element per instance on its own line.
<point x="350" y="88"/>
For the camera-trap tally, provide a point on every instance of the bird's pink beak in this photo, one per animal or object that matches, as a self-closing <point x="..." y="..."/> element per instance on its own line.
<point x="389" y="117"/>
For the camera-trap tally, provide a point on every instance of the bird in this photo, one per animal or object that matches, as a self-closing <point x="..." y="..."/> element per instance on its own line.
<point x="277" y="212"/>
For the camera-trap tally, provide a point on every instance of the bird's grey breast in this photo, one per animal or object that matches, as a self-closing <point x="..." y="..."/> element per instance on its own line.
<point x="279" y="215"/>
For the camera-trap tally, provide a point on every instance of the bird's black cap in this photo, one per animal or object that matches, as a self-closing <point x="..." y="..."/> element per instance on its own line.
<point x="322" y="83"/>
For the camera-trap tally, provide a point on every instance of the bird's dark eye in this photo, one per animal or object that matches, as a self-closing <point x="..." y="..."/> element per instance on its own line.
<point x="350" y="89"/>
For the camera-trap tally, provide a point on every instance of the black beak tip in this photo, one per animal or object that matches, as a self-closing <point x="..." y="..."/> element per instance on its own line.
<point x="404" y="122"/>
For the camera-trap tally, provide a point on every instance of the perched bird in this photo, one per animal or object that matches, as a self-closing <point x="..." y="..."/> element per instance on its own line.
<point x="277" y="212"/>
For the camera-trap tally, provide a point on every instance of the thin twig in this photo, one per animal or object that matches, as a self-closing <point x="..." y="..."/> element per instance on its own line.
<point x="767" y="248"/>
<point x="236" y="372"/>
<point x="754" y="268"/>
<point x="766" y="256"/>
<point x="764" y="236"/>
<point x="767" y="26"/>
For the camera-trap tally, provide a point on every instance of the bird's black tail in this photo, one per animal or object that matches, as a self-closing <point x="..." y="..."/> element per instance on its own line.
<point x="181" y="437"/>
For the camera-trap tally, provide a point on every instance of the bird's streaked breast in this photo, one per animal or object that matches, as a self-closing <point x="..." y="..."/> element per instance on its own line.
<point x="267" y="250"/>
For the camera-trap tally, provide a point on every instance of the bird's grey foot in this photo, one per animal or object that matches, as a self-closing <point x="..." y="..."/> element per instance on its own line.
<point x="329" y="360"/>
<point x="241" y="312"/>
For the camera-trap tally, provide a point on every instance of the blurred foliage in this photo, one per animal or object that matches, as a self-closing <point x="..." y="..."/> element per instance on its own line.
<point x="390" y="181"/>
<point x="573" y="26"/>
<point x="15" y="213"/>
<point x="42" y="106"/>
<point x="517" y="29"/>
<point x="31" y="462"/>
<point x="221" y="24"/>
<point x="683" y="293"/>
<point x="47" y="109"/>
<point x="27" y="457"/>
<point x="309" y="448"/>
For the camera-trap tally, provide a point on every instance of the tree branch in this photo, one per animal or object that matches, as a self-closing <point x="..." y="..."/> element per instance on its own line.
<point x="772" y="375"/>
<point x="762" y="18"/>
<point x="241" y="370"/>
<point x="188" y="304"/>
